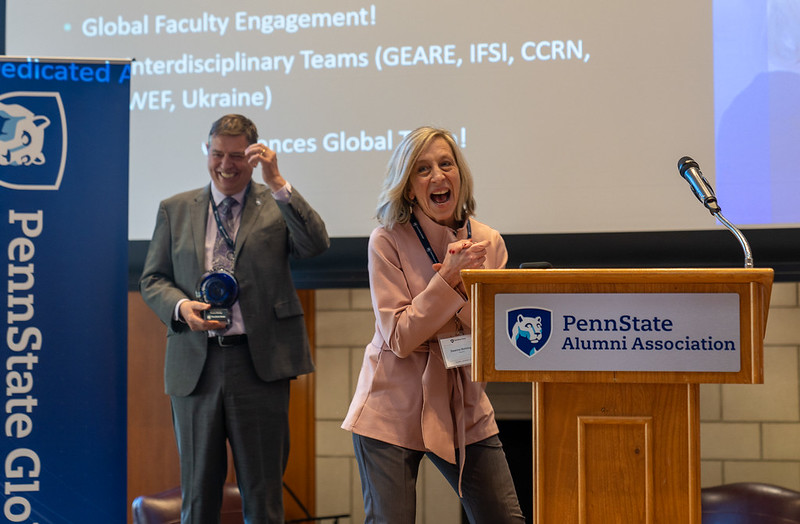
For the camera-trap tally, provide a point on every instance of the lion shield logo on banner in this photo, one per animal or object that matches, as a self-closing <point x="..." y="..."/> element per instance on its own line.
<point x="529" y="328"/>
<point x="33" y="140"/>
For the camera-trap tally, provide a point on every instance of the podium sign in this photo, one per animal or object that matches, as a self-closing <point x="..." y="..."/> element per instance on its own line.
<point x="616" y="358"/>
<point x="617" y="332"/>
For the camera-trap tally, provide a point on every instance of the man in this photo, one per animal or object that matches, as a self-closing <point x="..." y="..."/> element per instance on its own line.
<point x="228" y="379"/>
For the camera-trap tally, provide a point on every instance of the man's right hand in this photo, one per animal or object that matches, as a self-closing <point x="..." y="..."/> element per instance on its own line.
<point x="191" y="312"/>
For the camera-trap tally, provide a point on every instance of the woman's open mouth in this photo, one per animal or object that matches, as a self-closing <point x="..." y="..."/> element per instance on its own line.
<point x="440" y="197"/>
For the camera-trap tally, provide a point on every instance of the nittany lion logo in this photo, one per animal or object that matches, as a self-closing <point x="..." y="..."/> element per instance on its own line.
<point x="33" y="140"/>
<point x="529" y="328"/>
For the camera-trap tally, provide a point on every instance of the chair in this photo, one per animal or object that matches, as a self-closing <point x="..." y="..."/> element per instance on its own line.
<point x="749" y="503"/>
<point x="165" y="507"/>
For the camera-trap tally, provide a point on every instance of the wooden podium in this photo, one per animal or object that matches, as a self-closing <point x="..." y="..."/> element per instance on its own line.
<point x="610" y="445"/>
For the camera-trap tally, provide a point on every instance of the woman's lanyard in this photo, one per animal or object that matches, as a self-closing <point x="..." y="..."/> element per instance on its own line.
<point x="424" y="239"/>
<point x="456" y="348"/>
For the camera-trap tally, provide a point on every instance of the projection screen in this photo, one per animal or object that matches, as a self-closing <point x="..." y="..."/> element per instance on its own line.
<point x="572" y="114"/>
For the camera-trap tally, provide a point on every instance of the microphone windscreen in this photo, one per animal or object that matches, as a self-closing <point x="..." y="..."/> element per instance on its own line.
<point x="685" y="163"/>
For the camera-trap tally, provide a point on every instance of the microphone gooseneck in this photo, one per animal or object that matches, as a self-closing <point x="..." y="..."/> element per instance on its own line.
<point x="690" y="171"/>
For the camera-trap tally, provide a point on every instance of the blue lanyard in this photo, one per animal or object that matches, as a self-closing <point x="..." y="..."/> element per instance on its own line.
<point x="220" y="225"/>
<point x="424" y="239"/>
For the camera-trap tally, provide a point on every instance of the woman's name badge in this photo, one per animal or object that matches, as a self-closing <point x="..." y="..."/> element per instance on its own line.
<point x="456" y="350"/>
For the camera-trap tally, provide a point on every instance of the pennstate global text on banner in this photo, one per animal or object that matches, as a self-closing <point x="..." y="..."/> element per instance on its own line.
<point x="64" y="202"/>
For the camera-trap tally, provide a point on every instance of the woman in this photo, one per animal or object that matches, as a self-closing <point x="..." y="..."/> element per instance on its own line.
<point x="408" y="404"/>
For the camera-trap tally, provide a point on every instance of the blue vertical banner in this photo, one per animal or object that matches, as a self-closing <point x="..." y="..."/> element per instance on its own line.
<point x="64" y="126"/>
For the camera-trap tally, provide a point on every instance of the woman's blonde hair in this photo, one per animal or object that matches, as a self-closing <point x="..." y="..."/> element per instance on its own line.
<point x="394" y="206"/>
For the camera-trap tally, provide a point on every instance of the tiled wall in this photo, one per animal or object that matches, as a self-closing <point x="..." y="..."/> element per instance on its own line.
<point x="748" y="432"/>
<point x="752" y="432"/>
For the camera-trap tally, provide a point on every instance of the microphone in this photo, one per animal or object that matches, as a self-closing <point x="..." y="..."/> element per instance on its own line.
<point x="690" y="171"/>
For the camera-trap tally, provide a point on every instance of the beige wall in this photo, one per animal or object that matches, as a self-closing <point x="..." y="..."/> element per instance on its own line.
<point x="752" y="432"/>
<point x="748" y="432"/>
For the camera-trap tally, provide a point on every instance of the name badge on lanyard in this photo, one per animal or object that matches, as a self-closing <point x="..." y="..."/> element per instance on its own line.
<point x="456" y="350"/>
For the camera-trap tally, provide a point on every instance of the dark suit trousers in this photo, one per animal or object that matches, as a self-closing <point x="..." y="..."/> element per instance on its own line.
<point x="231" y="403"/>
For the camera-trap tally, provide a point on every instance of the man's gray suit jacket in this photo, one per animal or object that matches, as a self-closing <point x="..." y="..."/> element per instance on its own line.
<point x="270" y="232"/>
